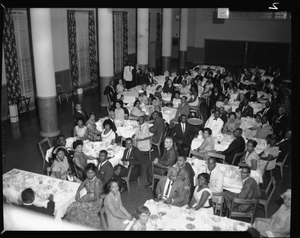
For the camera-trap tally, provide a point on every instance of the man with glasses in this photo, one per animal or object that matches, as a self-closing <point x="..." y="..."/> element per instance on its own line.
<point x="250" y="190"/>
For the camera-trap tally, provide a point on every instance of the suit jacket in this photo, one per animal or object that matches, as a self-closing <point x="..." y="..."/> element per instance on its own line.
<point x="224" y="118"/>
<point x="177" y="191"/>
<point x="135" y="76"/>
<point x="284" y="147"/>
<point x="134" y="159"/>
<point x="213" y="98"/>
<point x="112" y="93"/>
<point x="169" y="157"/>
<point x="250" y="190"/>
<point x="185" y="137"/>
<point x="186" y="175"/>
<point x="167" y="89"/>
<point x="83" y="115"/>
<point x="280" y="126"/>
<point x="221" y="89"/>
<point x="270" y="114"/>
<point x="248" y="111"/>
<point x="240" y="86"/>
<point x="49" y="210"/>
<point x="157" y="129"/>
<point x="236" y="146"/>
<point x="177" y="80"/>
<point x="183" y="109"/>
<point x="105" y="173"/>
<point x="250" y="97"/>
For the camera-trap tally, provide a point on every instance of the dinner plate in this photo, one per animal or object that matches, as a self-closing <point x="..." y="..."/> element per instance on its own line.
<point x="216" y="219"/>
<point x="190" y="218"/>
<point x="190" y="226"/>
<point x="173" y="215"/>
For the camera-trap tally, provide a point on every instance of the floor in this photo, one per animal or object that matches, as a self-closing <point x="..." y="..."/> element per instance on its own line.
<point x="20" y="151"/>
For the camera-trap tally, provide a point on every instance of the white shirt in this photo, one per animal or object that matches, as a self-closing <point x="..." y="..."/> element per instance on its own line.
<point x="214" y="125"/>
<point x="183" y="127"/>
<point x="216" y="180"/>
<point x="166" y="187"/>
<point x="127" y="75"/>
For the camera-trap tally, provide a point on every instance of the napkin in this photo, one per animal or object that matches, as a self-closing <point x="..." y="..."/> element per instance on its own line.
<point x="12" y="196"/>
<point x="57" y="197"/>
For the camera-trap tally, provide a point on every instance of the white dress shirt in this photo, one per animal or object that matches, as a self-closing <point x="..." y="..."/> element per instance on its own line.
<point x="214" y="125"/>
<point x="216" y="180"/>
<point x="166" y="187"/>
<point x="183" y="127"/>
<point x="127" y="75"/>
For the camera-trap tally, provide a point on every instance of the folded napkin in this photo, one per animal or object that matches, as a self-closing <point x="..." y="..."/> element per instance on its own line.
<point x="58" y="197"/>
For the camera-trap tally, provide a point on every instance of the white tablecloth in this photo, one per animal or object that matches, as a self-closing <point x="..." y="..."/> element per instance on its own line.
<point x="15" y="181"/>
<point x="175" y="219"/>
<point x="168" y="113"/>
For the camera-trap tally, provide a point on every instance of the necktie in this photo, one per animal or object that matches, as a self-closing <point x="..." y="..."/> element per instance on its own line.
<point x="167" y="192"/>
<point x="100" y="166"/>
<point x="127" y="156"/>
<point x="183" y="129"/>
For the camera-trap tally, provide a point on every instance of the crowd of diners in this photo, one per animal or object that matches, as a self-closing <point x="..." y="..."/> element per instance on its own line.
<point x="103" y="182"/>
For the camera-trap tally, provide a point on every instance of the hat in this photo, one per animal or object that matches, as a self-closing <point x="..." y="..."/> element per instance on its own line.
<point x="273" y="137"/>
<point x="288" y="193"/>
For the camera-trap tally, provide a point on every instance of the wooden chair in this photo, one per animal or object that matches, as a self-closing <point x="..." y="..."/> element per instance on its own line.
<point x="61" y="93"/>
<point x="156" y="176"/>
<point x="196" y="154"/>
<point x="196" y="109"/>
<point x="49" y="171"/>
<point x="146" y="139"/>
<point x="236" y="156"/>
<point x="217" y="156"/>
<point x="218" y="204"/>
<point x="249" y="214"/>
<point x="127" y="178"/>
<point x="269" y="168"/>
<point x="43" y="153"/>
<point x="103" y="219"/>
<point x="268" y="195"/>
<point x="161" y="139"/>
<point x="281" y="164"/>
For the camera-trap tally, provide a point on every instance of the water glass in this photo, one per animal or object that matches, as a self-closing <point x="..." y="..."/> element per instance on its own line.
<point x="40" y="179"/>
<point x="192" y="211"/>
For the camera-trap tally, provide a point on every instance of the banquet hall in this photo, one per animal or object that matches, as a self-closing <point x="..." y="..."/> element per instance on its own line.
<point x="108" y="60"/>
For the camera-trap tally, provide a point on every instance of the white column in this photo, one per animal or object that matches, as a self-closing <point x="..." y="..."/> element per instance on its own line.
<point x="183" y="38"/>
<point x="44" y="70"/>
<point x="106" y="53"/>
<point x="167" y="39"/>
<point x="142" y="37"/>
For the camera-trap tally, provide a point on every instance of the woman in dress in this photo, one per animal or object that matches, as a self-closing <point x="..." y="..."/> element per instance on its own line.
<point x="169" y="87"/>
<point x="229" y="89"/>
<point x="143" y="97"/>
<point x="280" y="222"/>
<point x="230" y="125"/>
<point x="120" y="86"/>
<point x="60" y="165"/>
<point x="238" y="119"/>
<point x="219" y="101"/>
<point x="141" y="218"/>
<point x="176" y="100"/>
<point x="85" y="211"/>
<point x="137" y="110"/>
<point x="119" y="111"/>
<point x="208" y="144"/>
<point x="108" y="135"/>
<point x="234" y="94"/>
<point x="80" y="159"/>
<point x="142" y="132"/>
<point x="93" y="132"/>
<point x="194" y="99"/>
<point x="184" y="89"/>
<point x="80" y="131"/>
<point x="251" y="158"/>
<point x="202" y="199"/>
<point x="226" y="105"/>
<point x="251" y="132"/>
<point x="116" y="213"/>
<point x="157" y="93"/>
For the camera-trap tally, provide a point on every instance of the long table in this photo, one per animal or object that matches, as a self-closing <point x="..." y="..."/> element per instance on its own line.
<point x="16" y="180"/>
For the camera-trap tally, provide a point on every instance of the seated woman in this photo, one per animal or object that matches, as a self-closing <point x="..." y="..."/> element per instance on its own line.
<point x="234" y="94"/>
<point x="143" y="97"/>
<point x="154" y="102"/>
<point x="141" y="218"/>
<point x="270" y="154"/>
<point x="229" y="89"/>
<point x="151" y="76"/>
<point x="208" y="87"/>
<point x="208" y="144"/>
<point x="194" y="99"/>
<point x="85" y="211"/>
<point x="120" y="86"/>
<point x="231" y="124"/>
<point x="142" y="132"/>
<point x="184" y="89"/>
<point x="116" y="213"/>
<point x="226" y="105"/>
<point x="119" y="111"/>
<point x="238" y="119"/>
<point x="80" y="159"/>
<point x="169" y="87"/>
<point x="157" y="93"/>
<point x="251" y="158"/>
<point x="251" y="132"/>
<point x="220" y="100"/>
<point x="251" y="95"/>
<point x="202" y="199"/>
<point x="108" y="135"/>
<point x="240" y="97"/>
<point x="60" y="166"/>
<point x="137" y="110"/>
<point x="80" y="131"/>
<point x="280" y="222"/>
<point x="93" y="132"/>
<point x="176" y="100"/>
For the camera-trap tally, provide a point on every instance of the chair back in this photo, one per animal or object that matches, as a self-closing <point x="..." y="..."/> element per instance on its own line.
<point x="217" y="156"/>
<point x="59" y="89"/>
<point x="41" y="145"/>
<point x="237" y="155"/>
<point x="267" y="167"/>
<point x="250" y="214"/>
<point x="286" y="156"/>
<point x="270" y="188"/>
<point x="195" y="153"/>
<point x="103" y="218"/>
<point x="218" y="204"/>
<point x="155" y="176"/>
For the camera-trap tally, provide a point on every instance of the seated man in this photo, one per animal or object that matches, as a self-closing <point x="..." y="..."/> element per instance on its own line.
<point x="247" y="110"/>
<point x="186" y="175"/>
<point x="267" y="111"/>
<point x="183" y="109"/>
<point x="223" y="114"/>
<point x="215" y="123"/>
<point x="131" y="156"/>
<point x="80" y="113"/>
<point x="28" y="197"/>
<point x="182" y="134"/>
<point x="111" y="92"/>
<point x="284" y="146"/>
<point x="264" y="130"/>
<point x="216" y="177"/>
<point x="105" y="170"/>
<point x="168" y="159"/>
<point x="170" y="189"/>
<point x="236" y="146"/>
<point x="250" y="190"/>
<point x="280" y="123"/>
<point x="158" y="127"/>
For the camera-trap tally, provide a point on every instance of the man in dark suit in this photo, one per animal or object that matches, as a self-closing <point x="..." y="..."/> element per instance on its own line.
<point x="178" y="78"/>
<point x="167" y="160"/>
<point x="251" y="95"/>
<point x="222" y="87"/>
<point x="170" y="189"/>
<point x="213" y="98"/>
<point x="268" y="112"/>
<point x="186" y="175"/>
<point x="182" y="134"/>
<point x="280" y="123"/>
<point x="111" y="92"/>
<point x="223" y="114"/>
<point x="135" y="75"/>
<point x="80" y="113"/>
<point x="285" y="145"/>
<point x="247" y="111"/>
<point x="236" y="146"/>
<point x="28" y="198"/>
<point x="250" y="190"/>
<point x="240" y="85"/>
<point x="183" y="108"/>
<point x="158" y="127"/>
<point x="105" y="169"/>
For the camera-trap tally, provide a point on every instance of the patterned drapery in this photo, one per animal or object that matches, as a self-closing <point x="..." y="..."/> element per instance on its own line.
<point x="11" y="60"/>
<point x="158" y="27"/>
<point x="92" y="50"/>
<point x="73" y="49"/>
<point x="125" y="39"/>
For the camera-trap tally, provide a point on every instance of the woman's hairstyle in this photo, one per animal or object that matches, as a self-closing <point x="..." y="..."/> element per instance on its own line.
<point x="154" y="98"/>
<point x="118" y="101"/>
<point x="206" y="176"/>
<point x="136" y="101"/>
<point x="176" y="92"/>
<point x="91" y="113"/>
<point x="226" y="98"/>
<point x="77" y="143"/>
<point x="104" y="152"/>
<point x="107" y="122"/>
<point x="107" y="186"/>
<point x="158" y="87"/>
<point x="90" y="166"/>
<point x="209" y="131"/>
<point x="59" y="150"/>
<point x="253" y="142"/>
<point x="79" y="119"/>
<point x="140" y="210"/>
<point x="232" y="113"/>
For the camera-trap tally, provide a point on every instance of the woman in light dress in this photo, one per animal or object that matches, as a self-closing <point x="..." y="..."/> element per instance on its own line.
<point x="202" y="199"/>
<point x="80" y="131"/>
<point x="120" y="86"/>
<point x="251" y="132"/>
<point x="108" y="135"/>
<point x="93" y="132"/>
<point x="234" y="94"/>
<point x="226" y="105"/>
<point x="141" y="218"/>
<point x="141" y="133"/>
<point x="60" y="165"/>
<point x="119" y="111"/>
<point x="208" y="144"/>
<point x="184" y="89"/>
<point x="231" y="124"/>
<point x="137" y="110"/>
<point x="176" y="100"/>
<point x="251" y="158"/>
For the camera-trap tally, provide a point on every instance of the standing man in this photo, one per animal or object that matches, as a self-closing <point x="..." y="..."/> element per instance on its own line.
<point x="127" y="75"/>
<point x="216" y="177"/>
<point x="135" y="75"/>
<point x="158" y="127"/>
<point x="105" y="170"/>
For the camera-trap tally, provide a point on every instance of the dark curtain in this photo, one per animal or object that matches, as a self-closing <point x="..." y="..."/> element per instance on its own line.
<point x="125" y="39"/>
<point x="11" y="60"/>
<point x="158" y="27"/>
<point x="92" y="50"/>
<point x="73" y="49"/>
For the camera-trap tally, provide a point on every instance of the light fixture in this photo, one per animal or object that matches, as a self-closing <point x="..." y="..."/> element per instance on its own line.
<point x="223" y="13"/>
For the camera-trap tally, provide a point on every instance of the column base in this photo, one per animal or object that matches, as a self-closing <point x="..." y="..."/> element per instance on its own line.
<point x="143" y="66"/>
<point x="166" y="64"/>
<point x="104" y="82"/>
<point x="50" y="134"/>
<point x="182" y="61"/>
